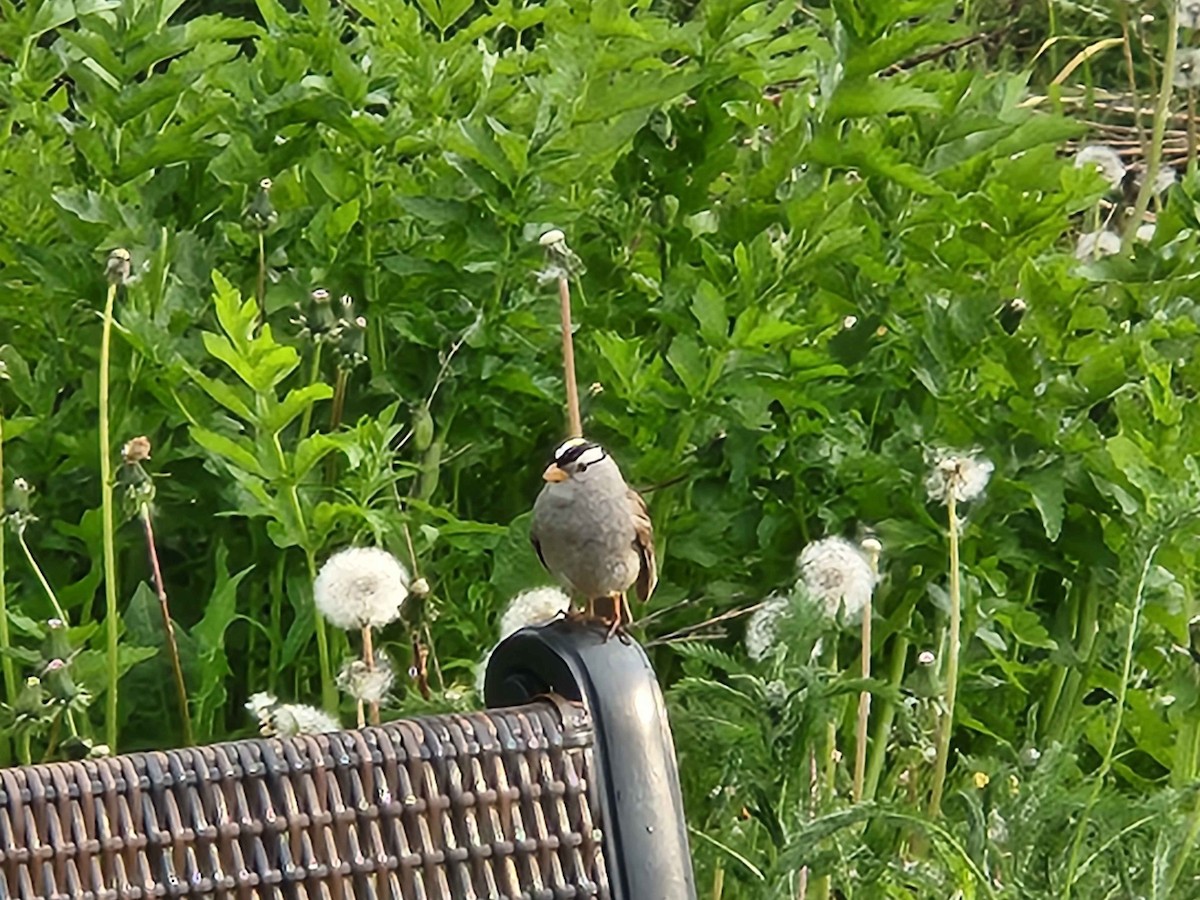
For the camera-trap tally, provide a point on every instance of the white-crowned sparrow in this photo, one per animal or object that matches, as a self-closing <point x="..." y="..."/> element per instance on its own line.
<point x="592" y="531"/>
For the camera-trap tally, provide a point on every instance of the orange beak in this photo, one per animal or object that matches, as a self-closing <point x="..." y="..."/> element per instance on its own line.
<point x="554" y="474"/>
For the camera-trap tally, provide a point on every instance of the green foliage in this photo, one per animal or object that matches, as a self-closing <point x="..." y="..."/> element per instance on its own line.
<point x="802" y="226"/>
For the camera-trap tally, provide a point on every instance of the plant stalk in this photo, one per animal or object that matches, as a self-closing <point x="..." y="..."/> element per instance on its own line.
<point x="864" y="696"/>
<point x="1106" y="762"/>
<point x="108" y="528"/>
<point x="168" y="626"/>
<point x="369" y="659"/>
<point x="6" y="661"/>
<point x="1162" y="112"/>
<point x="41" y="576"/>
<point x="574" y="420"/>
<point x="313" y="378"/>
<point x="946" y="723"/>
<point x="887" y="716"/>
<point x="260" y="288"/>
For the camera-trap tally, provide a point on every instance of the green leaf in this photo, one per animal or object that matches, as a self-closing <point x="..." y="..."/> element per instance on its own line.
<point x="856" y="98"/>
<point x="228" y="449"/>
<point x="1046" y="486"/>
<point x="280" y="415"/>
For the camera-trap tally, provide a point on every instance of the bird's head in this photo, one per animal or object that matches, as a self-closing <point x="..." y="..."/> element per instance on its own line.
<point x="574" y="458"/>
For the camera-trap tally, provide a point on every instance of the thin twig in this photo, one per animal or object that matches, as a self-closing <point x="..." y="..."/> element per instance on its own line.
<point x="574" y="421"/>
<point x="168" y="626"/>
<point x="946" y="721"/>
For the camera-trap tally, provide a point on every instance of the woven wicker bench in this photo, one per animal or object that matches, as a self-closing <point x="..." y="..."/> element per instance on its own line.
<point x="568" y="789"/>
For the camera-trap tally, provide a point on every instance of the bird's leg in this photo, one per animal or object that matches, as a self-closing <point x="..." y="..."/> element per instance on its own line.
<point x="620" y="606"/>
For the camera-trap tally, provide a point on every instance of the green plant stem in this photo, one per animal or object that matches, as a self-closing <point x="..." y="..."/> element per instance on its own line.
<point x="1191" y="131"/>
<point x="1106" y="761"/>
<point x="41" y="576"/>
<point x="314" y="377"/>
<point x="1162" y="112"/>
<point x="1131" y="72"/>
<point x="328" y="688"/>
<point x="574" y="421"/>
<point x="168" y="627"/>
<point x="369" y="659"/>
<point x="6" y="661"/>
<point x="887" y="716"/>
<point x="260" y="288"/>
<point x="1087" y="642"/>
<point x="108" y="528"/>
<point x="864" y="709"/>
<point x="1185" y="851"/>
<point x="946" y="722"/>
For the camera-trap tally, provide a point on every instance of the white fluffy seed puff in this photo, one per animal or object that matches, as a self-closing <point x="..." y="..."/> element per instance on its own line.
<point x="364" y="684"/>
<point x="965" y="475"/>
<point x="535" y="607"/>
<point x="762" y="629"/>
<point x="286" y="720"/>
<point x="361" y="587"/>
<point x="838" y="576"/>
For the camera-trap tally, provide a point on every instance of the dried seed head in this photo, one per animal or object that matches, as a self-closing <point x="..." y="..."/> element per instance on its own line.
<point x="288" y="719"/>
<point x="926" y="658"/>
<point x="1187" y="68"/>
<point x="535" y="607"/>
<point x="118" y="267"/>
<point x="838" y="576"/>
<point x="762" y="629"/>
<point x="266" y="184"/>
<point x="552" y="237"/>
<point x="365" y="684"/>
<point x="136" y="450"/>
<point x="965" y="475"/>
<point x="361" y="587"/>
<point x="1095" y="244"/>
<point x="419" y="588"/>
<point x="1105" y="159"/>
<point x="1189" y="14"/>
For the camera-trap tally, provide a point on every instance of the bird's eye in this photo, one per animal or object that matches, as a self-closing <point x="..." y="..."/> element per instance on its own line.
<point x="582" y="467"/>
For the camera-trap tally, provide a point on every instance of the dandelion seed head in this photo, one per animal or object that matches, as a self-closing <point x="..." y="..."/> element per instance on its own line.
<point x="762" y="629"/>
<point x="260" y="703"/>
<point x="136" y="449"/>
<point x="1103" y="158"/>
<point x="1094" y="244"/>
<point x="871" y="546"/>
<point x="362" y="683"/>
<point x="997" y="829"/>
<point x="965" y="475"/>
<point x="535" y="607"/>
<point x="838" y="576"/>
<point x="1187" y="68"/>
<point x="361" y="587"/>
<point x="1164" y="179"/>
<point x="291" y="719"/>
<point x="1189" y="14"/>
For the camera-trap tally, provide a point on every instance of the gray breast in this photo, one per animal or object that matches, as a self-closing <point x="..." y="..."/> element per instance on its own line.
<point x="586" y="534"/>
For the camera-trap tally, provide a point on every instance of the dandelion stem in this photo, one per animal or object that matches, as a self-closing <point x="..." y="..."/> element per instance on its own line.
<point x="369" y="659"/>
<point x="107" y="526"/>
<point x="314" y="377"/>
<point x="6" y="660"/>
<point x="1127" y="47"/>
<point x="946" y="722"/>
<point x="574" y="421"/>
<point x="328" y="691"/>
<point x="339" y="399"/>
<point x="168" y="626"/>
<point x="41" y="576"/>
<point x="887" y="715"/>
<point x="864" y="696"/>
<point x="1162" y="112"/>
<point x="260" y="289"/>
<point x="1106" y="761"/>
<point x="1191" y="131"/>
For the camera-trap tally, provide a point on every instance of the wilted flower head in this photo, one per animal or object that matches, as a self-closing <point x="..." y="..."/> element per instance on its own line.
<point x="1189" y="14"/>
<point x="289" y="719"/>
<point x="366" y="684"/>
<point x="534" y="607"/>
<point x="361" y="587"/>
<point x="1103" y="158"/>
<point x="1164" y="178"/>
<point x="1187" y="68"/>
<point x="118" y="266"/>
<point x="964" y="475"/>
<point x="762" y="629"/>
<point x="1094" y="244"/>
<point x="838" y="576"/>
<point x="561" y="260"/>
<point x="136" y="450"/>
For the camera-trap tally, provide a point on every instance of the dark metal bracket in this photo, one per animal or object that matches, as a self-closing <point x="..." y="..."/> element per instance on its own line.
<point x="639" y="795"/>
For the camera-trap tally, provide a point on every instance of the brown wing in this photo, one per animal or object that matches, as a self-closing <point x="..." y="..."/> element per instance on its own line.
<point x="643" y="540"/>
